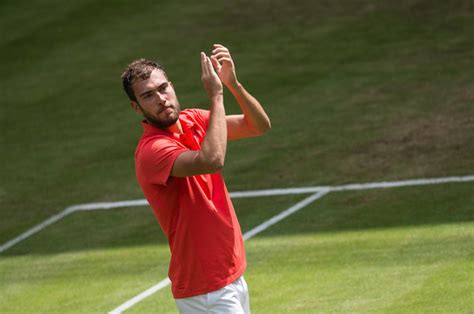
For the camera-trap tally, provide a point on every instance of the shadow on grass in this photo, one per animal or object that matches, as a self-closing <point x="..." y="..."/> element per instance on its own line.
<point x="336" y="212"/>
<point x="382" y="208"/>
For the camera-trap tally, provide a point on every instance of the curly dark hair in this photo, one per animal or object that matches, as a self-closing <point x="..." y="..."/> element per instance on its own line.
<point x="138" y="70"/>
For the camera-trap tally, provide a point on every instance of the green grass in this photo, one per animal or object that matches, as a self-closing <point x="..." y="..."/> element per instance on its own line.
<point x="369" y="257"/>
<point x="406" y="269"/>
<point x="328" y="257"/>
<point x="357" y="91"/>
<point x="85" y="263"/>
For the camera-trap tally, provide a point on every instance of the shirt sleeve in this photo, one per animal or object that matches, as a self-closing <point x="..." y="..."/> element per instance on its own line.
<point x="157" y="159"/>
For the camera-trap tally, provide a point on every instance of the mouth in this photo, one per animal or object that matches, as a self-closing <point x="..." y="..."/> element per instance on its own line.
<point x="167" y="112"/>
<point x="166" y="109"/>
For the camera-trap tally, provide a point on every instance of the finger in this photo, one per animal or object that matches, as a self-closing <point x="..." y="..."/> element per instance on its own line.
<point x="220" y="50"/>
<point x="219" y="45"/>
<point x="210" y="68"/>
<point x="222" y="55"/>
<point x="221" y="60"/>
<point x="203" y="63"/>
<point x="216" y="64"/>
<point x="207" y="66"/>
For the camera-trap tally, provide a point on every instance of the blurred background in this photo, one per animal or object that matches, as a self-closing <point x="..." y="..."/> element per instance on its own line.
<point x="357" y="91"/>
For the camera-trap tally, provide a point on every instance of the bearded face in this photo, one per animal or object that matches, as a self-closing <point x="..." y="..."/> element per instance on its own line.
<point x="156" y="100"/>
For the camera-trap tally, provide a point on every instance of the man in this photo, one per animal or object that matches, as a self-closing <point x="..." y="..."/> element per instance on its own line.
<point x="178" y="162"/>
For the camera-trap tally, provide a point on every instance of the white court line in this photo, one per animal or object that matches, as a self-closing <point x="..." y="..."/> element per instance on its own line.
<point x="249" y="234"/>
<point x="67" y="211"/>
<point x="36" y="229"/>
<point x="271" y="192"/>
<point x="145" y="294"/>
<point x="293" y="209"/>
<point x="394" y="184"/>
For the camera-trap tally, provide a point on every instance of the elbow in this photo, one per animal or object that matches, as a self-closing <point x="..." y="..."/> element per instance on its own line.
<point x="267" y="127"/>
<point x="219" y="166"/>
<point x="216" y="164"/>
<point x="212" y="164"/>
<point x="264" y="128"/>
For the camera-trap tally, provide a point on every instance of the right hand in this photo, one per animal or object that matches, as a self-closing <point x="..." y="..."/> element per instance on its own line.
<point x="210" y="79"/>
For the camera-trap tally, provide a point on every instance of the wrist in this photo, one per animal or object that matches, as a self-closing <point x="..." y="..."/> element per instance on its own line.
<point x="216" y="94"/>
<point x="217" y="97"/>
<point x="235" y="86"/>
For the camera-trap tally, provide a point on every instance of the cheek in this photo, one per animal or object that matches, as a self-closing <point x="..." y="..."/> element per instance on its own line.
<point x="172" y="95"/>
<point x="148" y="105"/>
<point x="148" y="109"/>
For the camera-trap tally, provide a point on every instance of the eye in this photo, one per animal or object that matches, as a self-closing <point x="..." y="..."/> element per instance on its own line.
<point x="163" y="87"/>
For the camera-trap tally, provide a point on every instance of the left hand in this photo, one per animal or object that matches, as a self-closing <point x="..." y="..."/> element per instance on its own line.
<point x="224" y="66"/>
<point x="212" y="83"/>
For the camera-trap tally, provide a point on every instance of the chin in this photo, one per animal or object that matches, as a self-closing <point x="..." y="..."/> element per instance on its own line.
<point x="170" y="121"/>
<point x="164" y="123"/>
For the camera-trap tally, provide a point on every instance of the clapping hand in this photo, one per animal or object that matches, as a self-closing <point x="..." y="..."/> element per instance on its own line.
<point x="210" y="79"/>
<point x="224" y="66"/>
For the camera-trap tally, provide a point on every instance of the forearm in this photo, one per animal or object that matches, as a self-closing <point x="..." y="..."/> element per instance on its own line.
<point x="214" y="145"/>
<point x="255" y="116"/>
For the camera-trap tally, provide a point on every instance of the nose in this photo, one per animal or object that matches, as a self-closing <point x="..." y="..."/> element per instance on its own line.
<point x="161" y="98"/>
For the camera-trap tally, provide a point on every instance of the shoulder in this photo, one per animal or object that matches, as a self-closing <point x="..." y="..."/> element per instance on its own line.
<point x="195" y="115"/>
<point x="152" y="147"/>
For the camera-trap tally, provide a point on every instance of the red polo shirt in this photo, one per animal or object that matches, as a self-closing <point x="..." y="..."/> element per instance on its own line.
<point x="195" y="213"/>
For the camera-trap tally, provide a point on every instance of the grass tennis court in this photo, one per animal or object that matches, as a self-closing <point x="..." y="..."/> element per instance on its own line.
<point x="358" y="91"/>
<point x="328" y="257"/>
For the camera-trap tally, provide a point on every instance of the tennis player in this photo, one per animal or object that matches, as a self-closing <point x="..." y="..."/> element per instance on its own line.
<point x="178" y="165"/>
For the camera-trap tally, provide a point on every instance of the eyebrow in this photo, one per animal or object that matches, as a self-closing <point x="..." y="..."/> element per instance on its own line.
<point x="151" y="90"/>
<point x="146" y="92"/>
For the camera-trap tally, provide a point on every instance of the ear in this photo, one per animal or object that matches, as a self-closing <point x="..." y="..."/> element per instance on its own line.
<point x="136" y="107"/>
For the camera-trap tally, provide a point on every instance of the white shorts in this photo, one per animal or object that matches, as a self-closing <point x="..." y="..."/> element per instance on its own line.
<point x="233" y="298"/>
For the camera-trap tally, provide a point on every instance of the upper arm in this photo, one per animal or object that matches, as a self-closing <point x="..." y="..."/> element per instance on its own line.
<point x="155" y="160"/>
<point x="237" y="127"/>
<point x="190" y="162"/>
<point x="162" y="160"/>
<point x="195" y="162"/>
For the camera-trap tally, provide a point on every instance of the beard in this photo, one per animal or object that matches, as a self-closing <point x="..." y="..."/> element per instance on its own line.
<point x="163" y="123"/>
